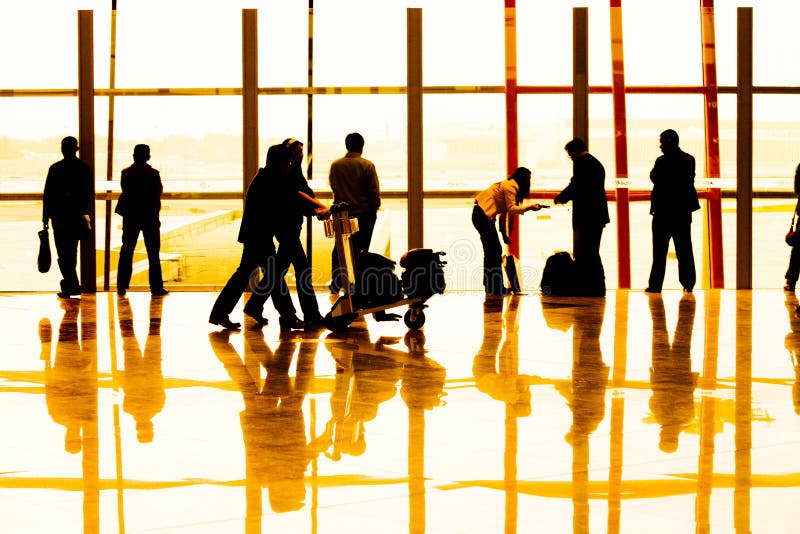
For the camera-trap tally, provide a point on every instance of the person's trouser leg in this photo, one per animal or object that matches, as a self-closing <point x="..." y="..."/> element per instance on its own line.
<point x="152" y="243"/>
<point x="590" y="275"/>
<point x="492" y="252"/>
<point x="661" y="238"/>
<point x="130" y="234"/>
<point x="793" y="271"/>
<point x="66" y="241"/>
<point x="230" y="294"/>
<point x="273" y="284"/>
<point x="366" y="225"/>
<point x="293" y="248"/>
<point x="682" y="237"/>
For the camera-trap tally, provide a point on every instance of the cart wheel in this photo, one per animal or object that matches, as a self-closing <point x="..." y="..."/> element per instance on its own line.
<point x="414" y="318"/>
<point x="337" y="324"/>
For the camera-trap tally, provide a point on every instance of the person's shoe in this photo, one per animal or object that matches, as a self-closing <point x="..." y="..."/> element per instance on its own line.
<point x="256" y="316"/>
<point x="314" y="322"/>
<point x="224" y="321"/>
<point x="160" y="292"/>
<point x="291" y="323"/>
<point x="788" y="286"/>
<point x="651" y="290"/>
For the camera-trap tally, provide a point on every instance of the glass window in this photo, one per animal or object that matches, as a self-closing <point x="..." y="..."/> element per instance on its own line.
<point x="465" y="141"/>
<point x="544" y="43"/>
<point x="180" y="43"/>
<point x="195" y="141"/>
<point x="30" y="139"/>
<point x="545" y="126"/>
<point x="662" y="43"/>
<point x="461" y="46"/>
<point x="381" y="119"/>
<point x="358" y="43"/>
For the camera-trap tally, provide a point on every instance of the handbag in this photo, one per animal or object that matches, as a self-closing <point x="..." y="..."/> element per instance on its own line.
<point x="793" y="235"/>
<point x="44" y="259"/>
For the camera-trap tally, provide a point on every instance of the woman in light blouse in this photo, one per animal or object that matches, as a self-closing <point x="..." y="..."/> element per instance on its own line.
<point x="501" y="198"/>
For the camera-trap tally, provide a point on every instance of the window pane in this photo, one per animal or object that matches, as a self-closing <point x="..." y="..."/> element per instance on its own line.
<point x="368" y="47"/>
<point x="381" y="119"/>
<point x="29" y="145"/>
<point x="662" y="43"/>
<point x="464" y="140"/>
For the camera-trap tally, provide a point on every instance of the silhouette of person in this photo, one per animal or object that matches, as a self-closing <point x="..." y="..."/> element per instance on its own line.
<point x="71" y="381"/>
<point x="256" y="234"/>
<point x="288" y="235"/>
<point x="140" y="204"/>
<point x="423" y="379"/>
<point x="502" y="198"/>
<point x="354" y="181"/>
<point x="289" y="204"/>
<point x="68" y="194"/>
<point x="587" y="192"/>
<point x="671" y="377"/>
<point x="589" y="373"/>
<point x="366" y="376"/>
<point x="143" y="380"/>
<point x="793" y="271"/>
<point x="672" y="202"/>
<point x="500" y="384"/>
<point x="273" y="423"/>
<point x="792" y="344"/>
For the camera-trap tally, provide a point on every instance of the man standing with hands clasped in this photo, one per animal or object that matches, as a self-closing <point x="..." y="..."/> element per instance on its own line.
<point x="672" y="202"/>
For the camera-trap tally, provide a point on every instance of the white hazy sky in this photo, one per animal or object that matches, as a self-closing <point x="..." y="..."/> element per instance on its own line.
<point x="190" y="43"/>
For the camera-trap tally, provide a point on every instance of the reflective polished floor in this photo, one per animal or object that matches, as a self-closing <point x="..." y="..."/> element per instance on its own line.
<point x="634" y="413"/>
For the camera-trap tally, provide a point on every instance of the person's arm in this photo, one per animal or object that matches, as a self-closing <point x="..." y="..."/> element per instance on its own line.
<point x="46" y="198"/>
<point x="566" y="194"/>
<point x="373" y="189"/>
<point x="318" y="207"/>
<point x="506" y="227"/>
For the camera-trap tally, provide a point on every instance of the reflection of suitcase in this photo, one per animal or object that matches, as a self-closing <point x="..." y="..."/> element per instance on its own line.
<point x="558" y="276"/>
<point x="511" y="268"/>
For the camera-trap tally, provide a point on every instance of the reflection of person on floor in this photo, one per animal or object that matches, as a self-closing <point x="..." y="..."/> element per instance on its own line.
<point x="366" y="375"/>
<point x="71" y="380"/>
<point x="273" y="424"/>
<point x="423" y="378"/>
<point x="792" y="343"/>
<point x="671" y="375"/>
<point x="510" y="388"/>
<point x="143" y="380"/>
<point x="589" y="373"/>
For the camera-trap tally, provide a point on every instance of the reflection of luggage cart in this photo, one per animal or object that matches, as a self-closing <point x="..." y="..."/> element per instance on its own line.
<point x="369" y="282"/>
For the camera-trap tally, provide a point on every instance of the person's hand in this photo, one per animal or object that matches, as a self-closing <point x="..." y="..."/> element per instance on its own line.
<point x="322" y="213"/>
<point x="45" y="225"/>
<point x="535" y="207"/>
<point x="506" y="239"/>
<point x="88" y="222"/>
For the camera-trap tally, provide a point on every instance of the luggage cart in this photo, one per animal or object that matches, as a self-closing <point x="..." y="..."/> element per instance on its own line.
<point x="422" y="278"/>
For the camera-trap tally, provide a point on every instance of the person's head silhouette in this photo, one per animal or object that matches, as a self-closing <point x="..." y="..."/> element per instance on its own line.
<point x="141" y="153"/>
<point x="669" y="141"/>
<point x="69" y="146"/>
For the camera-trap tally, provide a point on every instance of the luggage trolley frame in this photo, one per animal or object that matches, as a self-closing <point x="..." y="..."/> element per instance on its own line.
<point x="344" y="311"/>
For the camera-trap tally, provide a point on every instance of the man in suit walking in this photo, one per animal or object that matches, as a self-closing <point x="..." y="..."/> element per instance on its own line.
<point x="140" y="204"/>
<point x="672" y="202"/>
